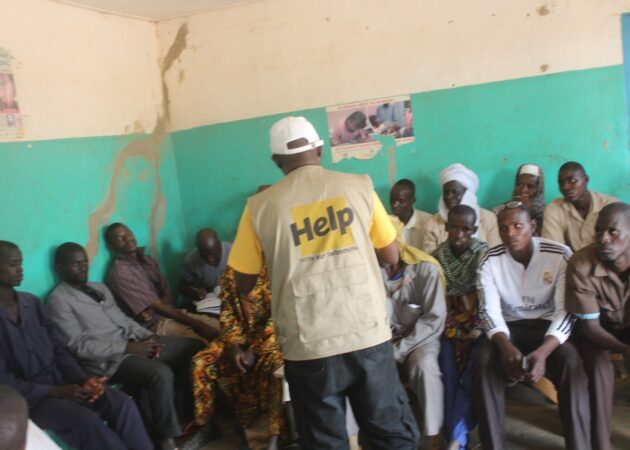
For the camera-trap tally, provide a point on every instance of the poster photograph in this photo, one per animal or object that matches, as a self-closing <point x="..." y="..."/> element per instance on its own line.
<point x="10" y="117"/>
<point x="353" y="127"/>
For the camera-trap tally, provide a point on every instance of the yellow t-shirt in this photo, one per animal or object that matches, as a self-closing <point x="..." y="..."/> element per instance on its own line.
<point x="246" y="255"/>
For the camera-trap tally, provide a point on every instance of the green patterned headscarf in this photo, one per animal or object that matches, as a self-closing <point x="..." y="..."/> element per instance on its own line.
<point x="460" y="272"/>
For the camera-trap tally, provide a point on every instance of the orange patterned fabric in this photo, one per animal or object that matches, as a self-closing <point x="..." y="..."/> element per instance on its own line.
<point x="257" y="391"/>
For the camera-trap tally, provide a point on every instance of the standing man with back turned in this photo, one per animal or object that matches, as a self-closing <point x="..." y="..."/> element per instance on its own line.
<point x="318" y="230"/>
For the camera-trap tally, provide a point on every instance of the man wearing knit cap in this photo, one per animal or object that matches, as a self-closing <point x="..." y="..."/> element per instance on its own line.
<point x="323" y="234"/>
<point x="459" y="186"/>
<point x="529" y="188"/>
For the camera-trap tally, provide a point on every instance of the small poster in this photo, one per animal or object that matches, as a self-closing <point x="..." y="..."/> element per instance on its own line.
<point x="10" y="117"/>
<point x="353" y="127"/>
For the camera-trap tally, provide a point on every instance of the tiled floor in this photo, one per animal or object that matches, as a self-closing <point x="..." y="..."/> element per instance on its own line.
<point x="533" y="423"/>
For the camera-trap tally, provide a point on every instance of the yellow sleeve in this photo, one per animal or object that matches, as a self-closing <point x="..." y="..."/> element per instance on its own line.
<point x="246" y="254"/>
<point x="382" y="232"/>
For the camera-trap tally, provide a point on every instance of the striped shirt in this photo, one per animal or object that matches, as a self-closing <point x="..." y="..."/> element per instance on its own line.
<point x="508" y="291"/>
<point x="136" y="284"/>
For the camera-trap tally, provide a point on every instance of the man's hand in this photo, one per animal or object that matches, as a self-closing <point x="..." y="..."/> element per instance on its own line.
<point x="244" y="361"/>
<point x="146" y="316"/>
<point x="71" y="392"/>
<point x="511" y="359"/>
<point x="146" y="349"/>
<point x="537" y="365"/>
<point x="96" y="387"/>
<point x="198" y="292"/>
<point x="537" y="359"/>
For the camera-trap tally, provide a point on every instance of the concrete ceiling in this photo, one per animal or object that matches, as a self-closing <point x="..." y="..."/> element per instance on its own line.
<point x="154" y="9"/>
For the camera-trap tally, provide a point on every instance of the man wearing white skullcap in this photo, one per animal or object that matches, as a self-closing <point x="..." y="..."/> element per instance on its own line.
<point x="318" y="231"/>
<point x="459" y="186"/>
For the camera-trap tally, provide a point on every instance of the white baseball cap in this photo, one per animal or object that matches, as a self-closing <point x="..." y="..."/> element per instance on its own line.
<point x="290" y="129"/>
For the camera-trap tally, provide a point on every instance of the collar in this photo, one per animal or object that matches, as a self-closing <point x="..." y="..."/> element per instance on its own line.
<point x="596" y="205"/>
<point x="21" y="305"/>
<point x="535" y="248"/>
<point x="601" y="270"/>
<point x="412" y="220"/>
<point x="139" y="256"/>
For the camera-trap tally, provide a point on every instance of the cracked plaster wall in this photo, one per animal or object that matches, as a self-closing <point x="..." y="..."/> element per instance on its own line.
<point x="96" y="147"/>
<point x="277" y="56"/>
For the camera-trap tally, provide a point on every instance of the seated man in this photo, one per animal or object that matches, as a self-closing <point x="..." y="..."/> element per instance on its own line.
<point x="521" y="296"/>
<point x="108" y="343"/>
<point x="61" y="397"/>
<point x="459" y="258"/>
<point x="13" y="419"/>
<point x="459" y="187"/>
<point x="571" y="220"/>
<point x="204" y="265"/>
<point x="598" y="293"/>
<point x="417" y="311"/>
<point x="242" y="362"/>
<point x="140" y="287"/>
<point x="401" y="199"/>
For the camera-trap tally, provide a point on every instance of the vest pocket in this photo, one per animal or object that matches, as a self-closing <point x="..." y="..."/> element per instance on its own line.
<point x="334" y="303"/>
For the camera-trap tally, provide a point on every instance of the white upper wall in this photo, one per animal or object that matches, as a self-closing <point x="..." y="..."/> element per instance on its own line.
<point x="283" y="55"/>
<point x="80" y="72"/>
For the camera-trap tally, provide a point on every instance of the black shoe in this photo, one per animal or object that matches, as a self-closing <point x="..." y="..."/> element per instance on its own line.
<point x="207" y="433"/>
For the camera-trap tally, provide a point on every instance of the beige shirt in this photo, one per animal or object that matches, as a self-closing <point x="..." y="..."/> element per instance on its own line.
<point x="563" y="223"/>
<point x="435" y="231"/>
<point x="413" y="230"/>
<point x="594" y="291"/>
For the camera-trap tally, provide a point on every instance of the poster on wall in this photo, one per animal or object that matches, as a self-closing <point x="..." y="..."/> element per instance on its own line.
<point x="10" y="117"/>
<point x="354" y="128"/>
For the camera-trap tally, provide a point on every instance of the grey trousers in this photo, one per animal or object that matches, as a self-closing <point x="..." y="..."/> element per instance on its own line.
<point x="422" y="371"/>
<point x="601" y="387"/>
<point x="564" y="368"/>
<point x="160" y="382"/>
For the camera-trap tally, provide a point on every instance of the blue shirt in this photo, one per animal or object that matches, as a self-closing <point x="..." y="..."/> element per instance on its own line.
<point x="196" y="269"/>
<point x="32" y="357"/>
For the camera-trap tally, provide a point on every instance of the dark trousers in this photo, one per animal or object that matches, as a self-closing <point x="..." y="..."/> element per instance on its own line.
<point x="82" y="425"/>
<point x="369" y="379"/>
<point x="564" y="369"/>
<point x="601" y="387"/>
<point x="161" y="383"/>
<point x="459" y="414"/>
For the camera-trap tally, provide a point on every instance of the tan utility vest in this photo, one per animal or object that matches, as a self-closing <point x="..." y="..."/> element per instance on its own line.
<point x="328" y="296"/>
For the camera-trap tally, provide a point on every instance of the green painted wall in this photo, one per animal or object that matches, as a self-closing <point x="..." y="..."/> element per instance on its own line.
<point x="50" y="188"/>
<point x="491" y="128"/>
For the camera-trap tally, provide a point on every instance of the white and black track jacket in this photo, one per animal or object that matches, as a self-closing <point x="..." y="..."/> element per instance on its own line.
<point x="508" y="291"/>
